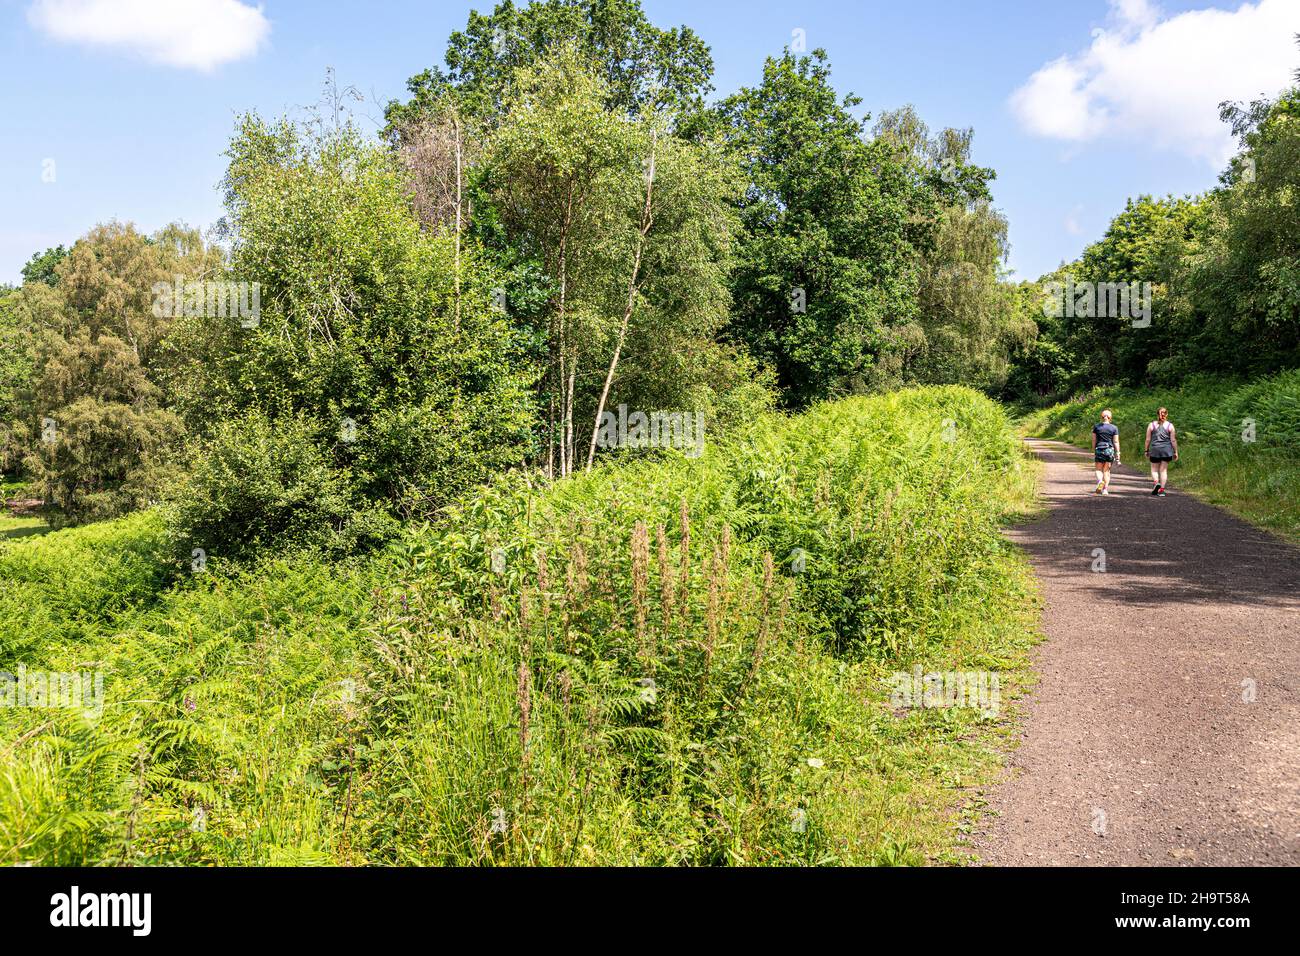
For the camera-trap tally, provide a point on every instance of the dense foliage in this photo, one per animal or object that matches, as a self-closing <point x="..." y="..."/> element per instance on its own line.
<point x="369" y="346"/>
<point x="1224" y="269"/>
<point x="674" y="661"/>
<point x="639" y="64"/>
<point x="83" y="372"/>
<point x="554" y="226"/>
<point x="859" y="259"/>
<point x="827" y="269"/>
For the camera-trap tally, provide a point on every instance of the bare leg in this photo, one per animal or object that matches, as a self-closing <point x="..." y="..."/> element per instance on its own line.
<point x="1155" y="473"/>
<point x="1105" y="470"/>
<point x="1164" y="473"/>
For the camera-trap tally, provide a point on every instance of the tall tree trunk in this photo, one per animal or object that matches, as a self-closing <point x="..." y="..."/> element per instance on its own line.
<point x="550" y="439"/>
<point x="459" y="160"/>
<point x="568" y="410"/>
<point x="647" y="219"/>
<point x="566" y="459"/>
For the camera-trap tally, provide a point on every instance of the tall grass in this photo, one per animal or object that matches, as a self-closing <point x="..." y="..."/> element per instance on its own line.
<point x="664" y="661"/>
<point x="1258" y="479"/>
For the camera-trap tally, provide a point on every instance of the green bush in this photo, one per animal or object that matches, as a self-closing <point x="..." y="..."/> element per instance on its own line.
<point x="259" y="485"/>
<point x="365" y="319"/>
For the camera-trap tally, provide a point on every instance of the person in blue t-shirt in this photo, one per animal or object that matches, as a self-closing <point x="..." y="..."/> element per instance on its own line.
<point x="1105" y="451"/>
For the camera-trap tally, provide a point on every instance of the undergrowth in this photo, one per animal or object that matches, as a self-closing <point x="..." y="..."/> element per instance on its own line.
<point x="663" y="661"/>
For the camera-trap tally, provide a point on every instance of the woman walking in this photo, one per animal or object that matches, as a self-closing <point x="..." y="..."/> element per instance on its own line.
<point x="1105" y="451"/>
<point x="1162" y="448"/>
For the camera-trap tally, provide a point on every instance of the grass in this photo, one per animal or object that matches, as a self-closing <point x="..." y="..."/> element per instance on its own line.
<point x="1257" y="479"/>
<point x="21" y="526"/>
<point x="13" y="525"/>
<point x="666" y="661"/>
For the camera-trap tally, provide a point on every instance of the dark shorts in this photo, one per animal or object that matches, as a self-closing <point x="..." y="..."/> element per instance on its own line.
<point x="1103" y="461"/>
<point x="1159" y="458"/>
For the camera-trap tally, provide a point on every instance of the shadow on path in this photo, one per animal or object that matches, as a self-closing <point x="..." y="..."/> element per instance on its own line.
<point x="1165" y="726"/>
<point x="1158" y="550"/>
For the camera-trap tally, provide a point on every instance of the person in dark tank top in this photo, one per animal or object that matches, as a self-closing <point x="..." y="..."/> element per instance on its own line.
<point x="1105" y="451"/>
<point x="1162" y="448"/>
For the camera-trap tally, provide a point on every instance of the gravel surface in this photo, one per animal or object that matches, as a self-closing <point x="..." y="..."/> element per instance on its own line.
<point x="1165" y="727"/>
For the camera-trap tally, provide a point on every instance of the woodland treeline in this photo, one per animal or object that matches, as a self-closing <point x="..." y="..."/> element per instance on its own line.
<point x="561" y="219"/>
<point x="1224" y="269"/>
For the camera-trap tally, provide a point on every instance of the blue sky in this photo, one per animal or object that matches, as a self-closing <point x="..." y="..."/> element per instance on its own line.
<point x="1077" y="105"/>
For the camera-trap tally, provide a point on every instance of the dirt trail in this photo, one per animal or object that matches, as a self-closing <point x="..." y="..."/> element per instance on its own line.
<point x="1140" y="744"/>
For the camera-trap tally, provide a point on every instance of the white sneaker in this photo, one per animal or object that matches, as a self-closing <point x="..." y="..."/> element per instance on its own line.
<point x="1105" y="491"/>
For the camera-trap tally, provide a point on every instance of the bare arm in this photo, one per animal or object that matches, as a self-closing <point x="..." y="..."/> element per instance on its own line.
<point x="1173" y="439"/>
<point x="1147" y="450"/>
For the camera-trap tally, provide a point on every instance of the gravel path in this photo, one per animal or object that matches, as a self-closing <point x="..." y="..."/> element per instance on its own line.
<point x="1165" y="727"/>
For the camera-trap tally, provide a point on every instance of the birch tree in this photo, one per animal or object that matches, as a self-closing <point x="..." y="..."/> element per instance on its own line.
<point x="559" y="171"/>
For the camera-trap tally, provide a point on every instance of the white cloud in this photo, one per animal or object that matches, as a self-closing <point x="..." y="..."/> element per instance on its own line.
<point x="190" y="34"/>
<point x="1150" y="79"/>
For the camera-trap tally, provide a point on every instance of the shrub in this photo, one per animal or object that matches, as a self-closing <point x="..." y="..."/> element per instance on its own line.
<point x="259" y="485"/>
<point x="364" y="318"/>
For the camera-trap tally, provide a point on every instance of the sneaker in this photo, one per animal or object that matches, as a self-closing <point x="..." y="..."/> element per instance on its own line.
<point x="1105" y="491"/>
<point x="1160" y="490"/>
<point x="1155" y="490"/>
